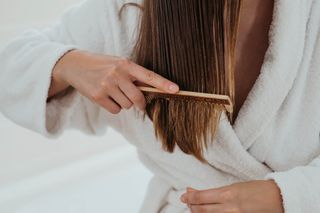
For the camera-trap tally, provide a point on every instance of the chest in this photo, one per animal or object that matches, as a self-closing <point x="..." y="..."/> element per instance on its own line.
<point x="247" y="69"/>
<point x="251" y="46"/>
<point x="281" y="137"/>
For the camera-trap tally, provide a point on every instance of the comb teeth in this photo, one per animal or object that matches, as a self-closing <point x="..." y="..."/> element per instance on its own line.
<point x="150" y="96"/>
<point x="153" y="93"/>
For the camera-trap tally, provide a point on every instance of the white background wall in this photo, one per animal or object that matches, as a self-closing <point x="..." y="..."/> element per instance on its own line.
<point x="75" y="173"/>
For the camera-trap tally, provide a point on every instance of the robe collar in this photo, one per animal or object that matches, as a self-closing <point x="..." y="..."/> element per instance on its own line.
<point x="279" y="70"/>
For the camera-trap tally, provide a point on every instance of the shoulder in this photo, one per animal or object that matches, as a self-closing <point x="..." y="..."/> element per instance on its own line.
<point x="95" y="25"/>
<point x="99" y="10"/>
<point x="123" y="29"/>
<point x="114" y="6"/>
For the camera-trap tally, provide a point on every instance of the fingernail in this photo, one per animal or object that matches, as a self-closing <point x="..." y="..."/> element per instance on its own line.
<point x="183" y="199"/>
<point x="173" y="87"/>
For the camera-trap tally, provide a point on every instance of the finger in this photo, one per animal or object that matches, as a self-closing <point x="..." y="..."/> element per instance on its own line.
<point x="213" y="208"/>
<point x="133" y="93"/>
<point x="202" y="197"/>
<point x="153" y="79"/>
<point x="120" y="98"/>
<point x="110" y="105"/>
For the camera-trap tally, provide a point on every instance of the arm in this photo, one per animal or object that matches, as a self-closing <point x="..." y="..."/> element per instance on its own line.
<point x="64" y="79"/>
<point x="27" y="63"/>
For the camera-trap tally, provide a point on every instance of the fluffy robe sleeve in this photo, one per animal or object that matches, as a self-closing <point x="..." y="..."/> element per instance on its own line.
<point x="300" y="186"/>
<point x="27" y="63"/>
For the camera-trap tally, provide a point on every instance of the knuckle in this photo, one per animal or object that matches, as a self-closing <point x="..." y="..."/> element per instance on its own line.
<point x="233" y="209"/>
<point x="104" y="84"/>
<point x="112" y="74"/>
<point x="228" y="195"/>
<point x="112" y="68"/>
<point x="127" y="105"/>
<point x="137" y="98"/>
<point x="97" y="96"/>
<point x="150" y="76"/>
<point x="197" y="197"/>
<point x="124" y="62"/>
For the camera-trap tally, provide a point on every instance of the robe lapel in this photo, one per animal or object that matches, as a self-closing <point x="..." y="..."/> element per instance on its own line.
<point x="227" y="154"/>
<point x="281" y="64"/>
<point x="279" y="70"/>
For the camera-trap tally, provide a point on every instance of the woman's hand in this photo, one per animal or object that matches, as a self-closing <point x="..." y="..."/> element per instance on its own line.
<point x="106" y="80"/>
<point x="247" y="197"/>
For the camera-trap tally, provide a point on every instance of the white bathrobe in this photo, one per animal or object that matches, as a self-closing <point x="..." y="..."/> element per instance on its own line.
<point x="276" y="135"/>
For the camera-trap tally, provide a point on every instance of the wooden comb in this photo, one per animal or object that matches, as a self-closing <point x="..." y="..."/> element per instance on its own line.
<point x="192" y="96"/>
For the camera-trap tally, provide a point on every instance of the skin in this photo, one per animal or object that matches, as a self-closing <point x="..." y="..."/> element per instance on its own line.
<point x="253" y="196"/>
<point x="251" y="46"/>
<point x="110" y="82"/>
<point x="246" y="197"/>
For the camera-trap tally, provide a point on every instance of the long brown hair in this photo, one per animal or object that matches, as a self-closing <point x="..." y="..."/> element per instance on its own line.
<point x="190" y="42"/>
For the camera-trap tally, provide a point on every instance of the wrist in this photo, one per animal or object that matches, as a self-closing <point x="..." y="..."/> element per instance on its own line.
<point x="59" y="83"/>
<point x="277" y="196"/>
<point x="59" y="73"/>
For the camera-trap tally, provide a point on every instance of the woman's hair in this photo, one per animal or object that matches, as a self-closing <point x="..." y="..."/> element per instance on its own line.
<point x="190" y="42"/>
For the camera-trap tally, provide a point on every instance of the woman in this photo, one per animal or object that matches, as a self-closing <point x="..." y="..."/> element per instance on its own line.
<point x="75" y="74"/>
